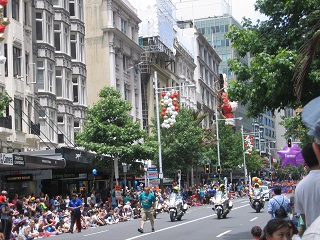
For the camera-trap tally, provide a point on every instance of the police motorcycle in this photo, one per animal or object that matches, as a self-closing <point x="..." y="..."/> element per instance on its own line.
<point x="222" y="203"/>
<point x="177" y="207"/>
<point x="257" y="199"/>
<point x="158" y="208"/>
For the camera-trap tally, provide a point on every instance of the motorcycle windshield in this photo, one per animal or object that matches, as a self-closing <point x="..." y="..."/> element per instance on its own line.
<point x="172" y="198"/>
<point x="219" y="196"/>
<point x="256" y="193"/>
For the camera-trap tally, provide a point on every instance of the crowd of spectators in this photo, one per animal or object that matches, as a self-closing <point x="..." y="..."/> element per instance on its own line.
<point x="33" y="217"/>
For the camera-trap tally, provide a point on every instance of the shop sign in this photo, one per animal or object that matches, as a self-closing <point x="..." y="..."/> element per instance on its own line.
<point x="18" y="178"/>
<point x="36" y="174"/>
<point x="6" y="158"/>
<point x="19" y="160"/>
<point x="64" y="175"/>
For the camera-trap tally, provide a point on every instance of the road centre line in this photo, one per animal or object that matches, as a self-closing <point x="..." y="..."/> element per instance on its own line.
<point x="178" y="225"/>
<point x="221" y="234"/>
<point x="96" y="233"/>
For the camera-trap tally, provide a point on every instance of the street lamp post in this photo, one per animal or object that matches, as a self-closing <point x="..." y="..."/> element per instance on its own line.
<point x="156" y="89"/>
<point x="217" y="133"/>
<point x="244" y="157"/>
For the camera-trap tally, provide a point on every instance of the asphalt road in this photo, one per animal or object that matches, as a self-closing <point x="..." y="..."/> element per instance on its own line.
<point x="198" y="223"/>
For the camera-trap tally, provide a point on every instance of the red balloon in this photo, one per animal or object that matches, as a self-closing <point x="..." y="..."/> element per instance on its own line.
<point x="164" y="109"/>
<point x="172" y="96"/>
<point x="163" y="94"/>
<point x="2" y="28"/>
<point x="3" y="2"/>
<point x="163" y="114"/>
<point x="177" y="109"/>
<point x="176" y="94"/>
<point x="175" y="104"/>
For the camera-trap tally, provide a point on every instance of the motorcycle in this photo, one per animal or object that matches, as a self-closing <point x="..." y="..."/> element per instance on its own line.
<point x="158" y="209"/>
<point x="177" y="207"/>
<point x="222" y="205"/>
<point x="257" y="201"/>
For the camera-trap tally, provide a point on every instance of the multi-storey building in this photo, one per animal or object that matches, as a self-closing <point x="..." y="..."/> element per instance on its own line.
<point x="113" y="52"/>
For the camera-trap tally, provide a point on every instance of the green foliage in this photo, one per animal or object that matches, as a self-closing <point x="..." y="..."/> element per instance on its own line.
<point x="296" y="129"/>
<point x="180" y="143"/>
<point x="274" y="43"/>
<point x="110" y="131"/>
<point x="5" y="99"/>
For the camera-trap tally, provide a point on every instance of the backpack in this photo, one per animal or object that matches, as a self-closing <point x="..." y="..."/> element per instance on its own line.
<point x="281" y="211"/>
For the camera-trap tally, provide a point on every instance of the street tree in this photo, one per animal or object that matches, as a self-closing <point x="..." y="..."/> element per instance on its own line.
<point x="278" y="46"/>
<point x="111" y="133"/>
<point x="180" y="144"/>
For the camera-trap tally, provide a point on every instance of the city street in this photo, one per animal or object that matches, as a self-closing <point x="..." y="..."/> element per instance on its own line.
<point x="198" y="223"/>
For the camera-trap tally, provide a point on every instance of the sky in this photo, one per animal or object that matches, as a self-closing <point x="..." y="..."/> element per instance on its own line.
<point x="245" y="8"/>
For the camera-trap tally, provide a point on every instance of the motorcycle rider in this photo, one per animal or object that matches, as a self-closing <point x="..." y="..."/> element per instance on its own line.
<point x="256" y="191"/>
<point x="225" y="195"/>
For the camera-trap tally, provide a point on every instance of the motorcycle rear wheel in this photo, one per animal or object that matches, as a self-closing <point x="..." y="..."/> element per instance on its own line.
<point x="219" y="213"/>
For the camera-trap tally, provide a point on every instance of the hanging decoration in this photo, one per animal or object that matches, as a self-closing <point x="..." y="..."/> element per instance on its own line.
<point x="3" y="21"/>
<point x="170" y="108"/>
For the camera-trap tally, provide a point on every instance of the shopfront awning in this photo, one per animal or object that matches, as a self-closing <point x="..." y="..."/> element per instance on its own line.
<point x="46" y="159"/>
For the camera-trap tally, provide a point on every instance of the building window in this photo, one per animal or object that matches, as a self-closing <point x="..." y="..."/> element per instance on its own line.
<point x="69" y="127"/>
<point x="123" y="26"/>
<point x="18" y="114"/>
<point x="127" y="92"/>
<point x="52" y="120"/>
<point x="67" y="85"/>
<point x="124" y="62"/>
<point x="15" y="9"/>
<point x="83" y="92"/>
<point x="16" y="61"/>
<point x="80" y="7"/>
<point x="58" y="83"/>
<point x="57" y="37"/>
<point x="39" y="31"/>
<point x="50" y="77"/>
<point x="71" y="8"/>
<point x="49" y="29"/>
<point x="81" y="50"/>
<point x="75" y="90"/>
<point x="40" y="75"/>
<point x="73" y="42"/>
<point x="66" y="39"/>
<point x="6" y="64"/>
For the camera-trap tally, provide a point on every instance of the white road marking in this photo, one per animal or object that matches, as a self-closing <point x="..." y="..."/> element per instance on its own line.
<point x="253" y="219"/>
<point x="95" y="233"/>
<point x="223" y="233"/>
<point x="178" y="225"/>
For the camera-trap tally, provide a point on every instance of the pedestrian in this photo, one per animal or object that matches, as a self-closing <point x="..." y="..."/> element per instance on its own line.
<point x="147" y="200"/>
<point x="276" y="229"/>
<point x="74" y="205"/>
<point x="256" y="232"/>
<point x="307" y="192"/>
<point x="279" y="205"/>
<point x="6" y="219"/>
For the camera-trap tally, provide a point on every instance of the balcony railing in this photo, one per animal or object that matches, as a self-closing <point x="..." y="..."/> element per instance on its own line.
<point x="6" y="122"/>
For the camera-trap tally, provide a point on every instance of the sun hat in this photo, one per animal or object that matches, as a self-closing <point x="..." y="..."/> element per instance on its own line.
<point x="311" y="118"/>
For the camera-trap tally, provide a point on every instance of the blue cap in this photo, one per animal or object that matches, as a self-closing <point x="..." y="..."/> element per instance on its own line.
<point x="311" y="118"/>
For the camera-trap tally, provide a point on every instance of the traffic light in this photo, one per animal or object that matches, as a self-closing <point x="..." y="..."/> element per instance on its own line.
<point x="207" y="168"/>
<point x="261" y="173"/>
<point x="218" y="169"/>
<point x="289" y="142"/>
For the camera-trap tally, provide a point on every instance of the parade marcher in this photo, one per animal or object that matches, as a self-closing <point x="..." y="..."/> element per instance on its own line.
<point x="74" y="205"/>
<point x="147" y="200"/>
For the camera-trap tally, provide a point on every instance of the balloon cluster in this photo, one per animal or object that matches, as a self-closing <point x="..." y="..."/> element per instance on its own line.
<point x="257" y="180"/>
<point x="170" y="108"/>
